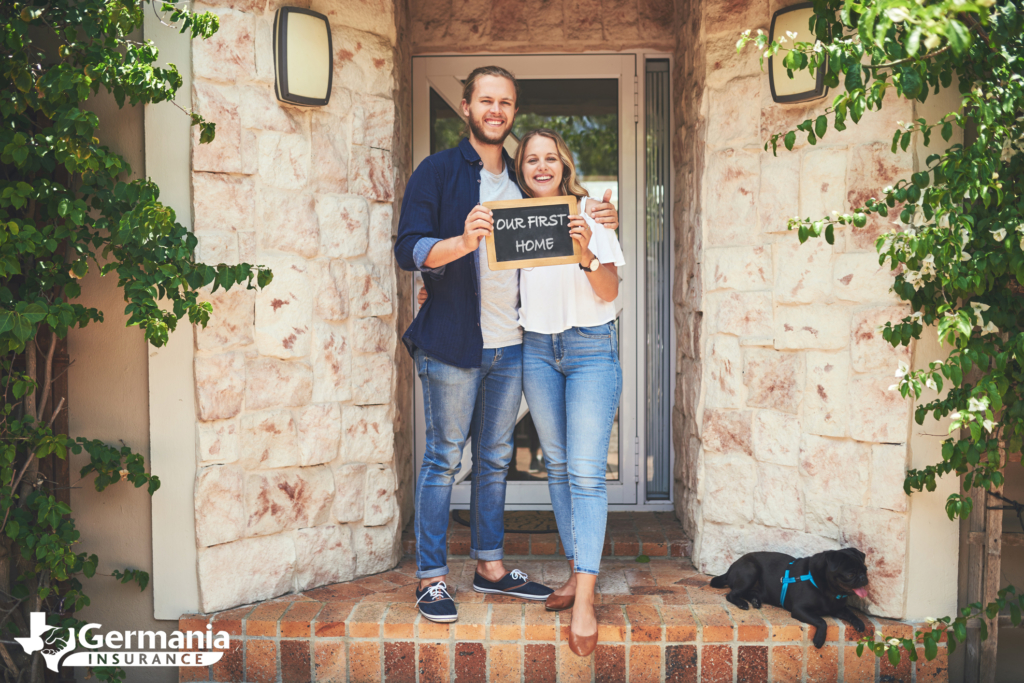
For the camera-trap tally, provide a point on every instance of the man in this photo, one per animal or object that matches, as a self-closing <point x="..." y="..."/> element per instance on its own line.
<point x="466" y="342"/>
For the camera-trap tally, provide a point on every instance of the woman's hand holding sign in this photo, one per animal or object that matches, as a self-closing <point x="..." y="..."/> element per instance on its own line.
<point x="581" y="232"/>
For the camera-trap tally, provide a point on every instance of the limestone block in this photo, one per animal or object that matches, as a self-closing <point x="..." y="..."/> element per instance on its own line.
<point x="430" y="20"/>
<point x="826" y="404"/>
<point x="261" y="110"/>
<point x="727" y="431"/>
<point x="246" y="571"/>
<point x="834" y="469"/>
<point x="220" y="385"/>
<point x="367" y="434"/>
<point x="284" y="310"/>
<point x="370" y="294"/>
<point x="344" y="225"/>
<point x="276" y="500"/>
<point x="545" y="21"/>
<point x="373" y="377"/>
<point x="872" y="168"/>
<point x="247" y="247"/>
<point x="815" y="326"/>
<point x="371" y="173"/>
<point x="773" y="379"/>
<point x="217" y="442"/>
<point x="231" y="323"/>
<point x="269" y="440"/>
<point x="725" y="64"/>
<point x="380" y="496"/>
<point x="250" y="152"/>
<point x="657" y="19"/>
<point x="723" y="544"/>
<point x="822" y="516"/>
<point x="803" y="272"/>
<point x="743" y="314"/>
<point x="363" y="62"/>
<point x="215" y="248"/>
<point x="882" y="536"/>
<point x="779" y="118"/>
<point x="779" y="196"/>
<point x="240" y="5"/>
<point x="330" y="152"/>
<point x="739" y="268"/>
<point x="323" y="555"/>
<point x="284" y="160"/>
<point x="378" y="128"/>
<point x="725" y="367"/>
<point x="868" y="349"/>
<point x="229" y="55"/>
<point x="217" y="104"/>
<point x="377" y="548"/>
<point x="319" y="433"/>
<point x="732" y="122"/>
<point x="732" y="183"/>
<point x="328" y="302"/>
<point x="880" y="127"/>
<point x="776" y="438"/>
<point x="220" y="513"/>
<point x="888" y="470"/>
<point x="860" y="279"/>
<point x="373" y="335"/>
<point x="729" y="483"/>
<point x="270" y="383"/>
<point x="372" y="16"/>
<point x="381" y="250"/>
<point x="222" y="202"/>
<point x="332" y="363"/>
<point x="777" y="497"/>
<point x="877" y="414"/>
<point x="349" y="501"/>
<point x="823" y="182"/>
<point x="733" y="17"/>
<point x="264" y="49"/>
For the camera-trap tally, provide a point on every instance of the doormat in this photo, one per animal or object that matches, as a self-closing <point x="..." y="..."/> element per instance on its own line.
<point x="519" y="521"/>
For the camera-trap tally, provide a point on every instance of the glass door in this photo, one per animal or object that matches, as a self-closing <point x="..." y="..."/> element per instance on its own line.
<point x="590" y="101"/>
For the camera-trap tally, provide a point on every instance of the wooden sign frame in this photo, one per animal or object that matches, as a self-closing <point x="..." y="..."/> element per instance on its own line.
<point x="577" y="251"/>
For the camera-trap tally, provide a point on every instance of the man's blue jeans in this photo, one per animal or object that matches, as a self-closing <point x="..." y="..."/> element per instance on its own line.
<point x="573" y="382"/>
<point x="458" y="403"/>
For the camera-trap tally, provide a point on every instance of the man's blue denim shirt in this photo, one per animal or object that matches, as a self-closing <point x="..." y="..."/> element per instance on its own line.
<point x="441" y="192"/>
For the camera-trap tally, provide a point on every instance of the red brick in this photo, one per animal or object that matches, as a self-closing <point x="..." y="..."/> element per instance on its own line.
<point x="644" y="663"/>
<point x="823" y="664"/>
<point x="260" y="661"/>
<point x="365" y="620"/>
<point x="539" y="663"/>
<point x="295" y="661"/>
<point x="517" y="544"/>
<point x="680" y="625"/>
<point x="472" y="622"/>
<point x="859" y="669"/>
<point x="752" y="663"/>
<point x="229" y="668"/>
<point x="644" y="623"/>
<point x="297" y="620"/>
<point x="787" y="663"/>
<point x="506" y="663"/>
<point x="262" y="621"/>
<point x="540" y="623"/>
<point x="433" y="663"/>
<point x="431" y="630"/>
<point x="895" y="674"/>
<point x="681" y="664"/>
<point x="400" y="662"/>
<point x="507" y="622"/>
<point x="543" y="545"/>
<point x="573" y="668"/>
<point x="626" y="545"/>
<point x="935" y="671"/>
<point x="716" y="664"/>
<point x="330" y="622"/>
<point x="716" y="626"/>
<point x="609" y="663"/>
<point x="231" y="621"/>
<point x="399" y="620"/>
<point x="611" y="624"/>
<point x="471" y="662"/>
<point x="364" y="662"/>
<point x="328" y="661"/>
<point x="192" y="622"/>
<point x="750" y="627"/>
<point x="458" y="545"/>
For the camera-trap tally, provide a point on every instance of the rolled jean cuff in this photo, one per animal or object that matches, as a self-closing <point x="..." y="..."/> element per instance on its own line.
<point x="431" y="573"/>
<point x="487" y="555"/>
<point x="577" y="570"/>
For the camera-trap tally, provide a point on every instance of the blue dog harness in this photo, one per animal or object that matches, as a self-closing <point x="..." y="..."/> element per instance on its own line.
<point x="787" y="579"/>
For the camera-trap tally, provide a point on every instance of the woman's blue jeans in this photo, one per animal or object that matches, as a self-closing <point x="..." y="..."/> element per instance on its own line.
<point x="458" y="403"/>
<point x="572" y="381"/>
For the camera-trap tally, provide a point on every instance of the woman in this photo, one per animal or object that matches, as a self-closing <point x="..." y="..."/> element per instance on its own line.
<point x="571" y="375"/>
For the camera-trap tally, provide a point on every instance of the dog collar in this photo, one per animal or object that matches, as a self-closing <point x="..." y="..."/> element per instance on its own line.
<point x="787" y="579"/>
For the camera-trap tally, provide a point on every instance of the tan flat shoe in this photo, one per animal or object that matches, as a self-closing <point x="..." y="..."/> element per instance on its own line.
<point x="557" y="603"/>
<point x="582" y="645"/>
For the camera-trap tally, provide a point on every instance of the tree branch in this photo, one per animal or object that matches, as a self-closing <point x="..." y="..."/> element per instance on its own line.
<point x="48" y="373"/>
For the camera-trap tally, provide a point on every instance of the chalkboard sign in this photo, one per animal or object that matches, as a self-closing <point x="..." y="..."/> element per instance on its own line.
<point x="532" y="232"/>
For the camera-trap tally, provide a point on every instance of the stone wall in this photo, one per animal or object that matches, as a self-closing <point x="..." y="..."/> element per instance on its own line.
<point x="296" y="384"/>
<point x="787" y="436"/>
<point x="540" y="25"/>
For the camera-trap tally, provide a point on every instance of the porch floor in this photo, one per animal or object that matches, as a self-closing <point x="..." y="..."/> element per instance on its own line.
<point x="659" y="621"/>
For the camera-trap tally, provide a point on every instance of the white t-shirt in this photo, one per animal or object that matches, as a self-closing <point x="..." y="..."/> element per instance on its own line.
<point x="499" y="289"/>
<point x="556" y="298"/>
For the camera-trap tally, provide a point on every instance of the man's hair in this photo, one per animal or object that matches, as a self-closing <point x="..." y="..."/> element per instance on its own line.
<point x="470" y="85"/>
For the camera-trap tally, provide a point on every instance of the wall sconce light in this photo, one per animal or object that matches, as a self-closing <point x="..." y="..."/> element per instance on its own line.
<point x="303" y="57"/>
<point x="802" y="87"/>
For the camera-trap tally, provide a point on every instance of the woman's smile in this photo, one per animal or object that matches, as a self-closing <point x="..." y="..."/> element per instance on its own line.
<point x="543" y="167"/>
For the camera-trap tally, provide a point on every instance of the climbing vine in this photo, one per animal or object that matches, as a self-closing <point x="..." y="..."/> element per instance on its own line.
<point x="68" y="205"/>
<point x="958" y="243"/>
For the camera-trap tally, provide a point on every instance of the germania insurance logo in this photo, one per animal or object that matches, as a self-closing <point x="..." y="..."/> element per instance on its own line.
<point x="152" y="648"/>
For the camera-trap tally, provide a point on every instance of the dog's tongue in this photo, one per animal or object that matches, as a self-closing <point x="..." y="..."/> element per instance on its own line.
<point x="861" y="592"/>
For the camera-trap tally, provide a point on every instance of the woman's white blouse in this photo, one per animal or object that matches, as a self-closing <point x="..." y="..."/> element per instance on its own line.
<point x="556" y="298"/>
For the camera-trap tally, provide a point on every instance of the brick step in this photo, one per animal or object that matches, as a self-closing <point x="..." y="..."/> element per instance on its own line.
<point x="659" y="621"/>
<point x="629" y="534"/>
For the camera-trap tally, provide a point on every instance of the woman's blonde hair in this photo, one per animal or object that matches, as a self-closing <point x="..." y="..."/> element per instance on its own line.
<point x="569" y="184"/>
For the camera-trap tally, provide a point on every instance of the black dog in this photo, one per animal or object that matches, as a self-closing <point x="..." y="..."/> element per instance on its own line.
<point x="813" y="587"/>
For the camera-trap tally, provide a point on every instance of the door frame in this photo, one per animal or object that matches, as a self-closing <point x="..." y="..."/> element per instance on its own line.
<point x="437" y="71"/>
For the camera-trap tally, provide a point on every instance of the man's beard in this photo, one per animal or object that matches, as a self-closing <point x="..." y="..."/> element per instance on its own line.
<point x="483" y="135"/>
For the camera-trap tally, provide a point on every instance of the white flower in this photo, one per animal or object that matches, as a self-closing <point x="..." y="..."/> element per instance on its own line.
<point x="928" y="265"/>
<point x="878" y="634"/>
<point x="888" y="188"/>
<point x="989" y="425"/>
<point x="944" y="221"/>
<point x="990" y="328"/>
<point x="760" y="32"/>
<point x="791" y="35"/>
<point x="781" y="40"/>
<point x="746" y="33"/>
<point x="897" y="14"/>
<point x="894" y="387"/>
<point x="930" y="383"/>
<point x="999" y="235"/>
<point x="979" y="307"/>
<point x="955" y="416"/>
<point x="818" y="47"/>
<point x="965" y="237"/>
<point x="965" y="257"/>
<point x="894" y="642"/>
<point x="902" y="370"/>
<point x="916" y="316"/>
<point x="977" y="405"/>
<point x="931" y="620"/>
<point x="932" y="41"/>
<point x="914" y="279"/>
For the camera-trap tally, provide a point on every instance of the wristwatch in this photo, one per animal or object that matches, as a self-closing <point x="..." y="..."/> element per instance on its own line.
<point x="592" y="266"/>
